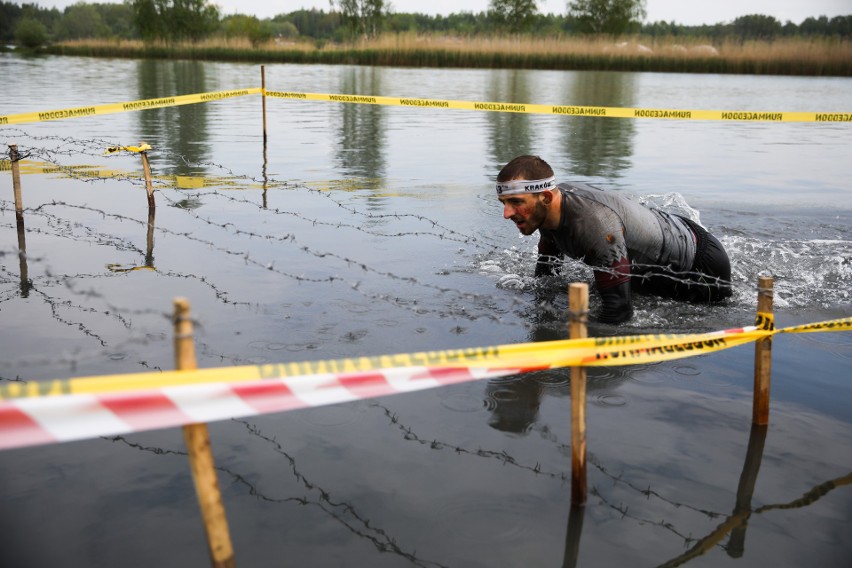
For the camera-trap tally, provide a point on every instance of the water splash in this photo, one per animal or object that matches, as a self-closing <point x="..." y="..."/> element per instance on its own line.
<point x="673" y="203"/>
<point x="808" y="273"/>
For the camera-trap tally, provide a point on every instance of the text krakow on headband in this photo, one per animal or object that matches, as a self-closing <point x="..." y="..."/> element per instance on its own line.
<point x="525" y="186"/>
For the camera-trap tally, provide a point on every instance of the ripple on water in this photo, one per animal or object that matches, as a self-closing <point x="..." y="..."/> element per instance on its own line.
<point x="608" y="400"/>
<point x="464" y="402"/>
<point x="677" y="372"/>
<point x="333" y="415"/>
<point x="839" y="344"/>
<point x="480" y="518"/>
<point x="651" y="375"/>
<point x="686" y="370"/>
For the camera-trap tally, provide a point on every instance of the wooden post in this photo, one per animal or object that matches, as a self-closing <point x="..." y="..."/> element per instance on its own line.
<point x="149" y="240"/>
<point x="200" y="456"/>
<point x="146" y="169"/>
<point x="745" y="490"/>
<point x="763" y="352"/>
<point x="265" y="176"/>
<point x="263" y="98"/>
<point x="578" y="302"/>
<point x="22" y="257"/>
<point x="572" y="538"/>
<point x="14" y="158"/>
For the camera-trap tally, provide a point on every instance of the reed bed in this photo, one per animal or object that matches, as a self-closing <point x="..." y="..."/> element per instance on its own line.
<point x="792" y="56"/>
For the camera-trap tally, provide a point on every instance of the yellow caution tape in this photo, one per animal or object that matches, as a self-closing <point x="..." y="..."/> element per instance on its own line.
<point x="124" y="107"/>
<point x="560" y="110"/>
<point x="842" y="324"/>
<point x="571" y="110"/>
<point x="91" y="171"/>
<point x="593" y="351"/>
<point x="765" y="320"/>
<point x="136" y="149"/>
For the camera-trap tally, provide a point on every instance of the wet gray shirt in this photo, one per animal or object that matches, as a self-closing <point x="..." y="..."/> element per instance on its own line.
<point x="609" y="231"/>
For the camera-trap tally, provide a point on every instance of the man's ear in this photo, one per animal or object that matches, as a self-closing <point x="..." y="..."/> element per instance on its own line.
<point x="547" y="197"/>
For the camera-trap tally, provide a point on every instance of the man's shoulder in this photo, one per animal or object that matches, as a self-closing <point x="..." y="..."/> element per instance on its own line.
<point x="578" y="187"/>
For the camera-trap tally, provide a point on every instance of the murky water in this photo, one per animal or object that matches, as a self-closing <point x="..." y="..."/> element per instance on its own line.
<point x="365" y="230"/>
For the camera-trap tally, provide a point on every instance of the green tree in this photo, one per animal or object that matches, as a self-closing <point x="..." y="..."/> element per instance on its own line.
<point x="175" y="19"/>
<point x="613" y="17"/>
<point x="149" y="18"/>
<point x="81" y="21"/>
<point x="841" y="26"/>
<point x="30" y="33"/>
<point x="312" y="23"/>
<point x="9" y="16"/>
<point x="283" y="30"/>
<point x="118" y="18"/>
<point x="364" y="18"/>
<point x="192" y="19"/>
<point x="514" y="15"/>
<point x="240" y="25"/>
<point x="756" y="26"/>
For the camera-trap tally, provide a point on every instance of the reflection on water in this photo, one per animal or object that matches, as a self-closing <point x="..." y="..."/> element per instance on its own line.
<point x="469" y="475"/>
<point x="594" y="147"/>
<point x="360" y="150"/>
<point x="179" y="132"/>
<point x="509" y="133"/>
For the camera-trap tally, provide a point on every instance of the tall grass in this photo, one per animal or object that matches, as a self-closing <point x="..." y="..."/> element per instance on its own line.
<point x="794" y="56"/>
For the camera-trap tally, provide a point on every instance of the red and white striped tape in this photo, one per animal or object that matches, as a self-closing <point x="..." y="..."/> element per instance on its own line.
<point x="46" y="420"/>
<point x="38" y="413"/>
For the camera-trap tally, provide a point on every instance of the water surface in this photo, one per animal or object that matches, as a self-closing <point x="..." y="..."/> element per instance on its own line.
<point x="365" y="230"/>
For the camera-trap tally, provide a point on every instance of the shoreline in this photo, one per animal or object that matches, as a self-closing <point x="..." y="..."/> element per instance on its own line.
<point x="820" y="58"/>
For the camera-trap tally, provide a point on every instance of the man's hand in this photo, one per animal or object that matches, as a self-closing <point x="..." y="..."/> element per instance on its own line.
<point x="548" y="257"/>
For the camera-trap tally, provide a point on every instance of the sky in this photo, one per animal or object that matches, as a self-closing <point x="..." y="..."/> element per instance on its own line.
<point x="687" y="12"/>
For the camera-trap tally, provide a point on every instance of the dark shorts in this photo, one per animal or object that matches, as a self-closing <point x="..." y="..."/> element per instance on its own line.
<point x="709" y="279"/>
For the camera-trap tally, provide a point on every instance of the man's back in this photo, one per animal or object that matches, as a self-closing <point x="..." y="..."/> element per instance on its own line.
<point x="602" y="227"/>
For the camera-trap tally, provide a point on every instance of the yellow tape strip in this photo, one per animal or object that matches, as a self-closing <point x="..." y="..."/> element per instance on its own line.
<point x="765" y="320"/>
<point x="593" y="351"/>
<point x="84" y="171"/>
<point x="563" y="110"/>
<point x="125" y="107"/>
<point x="560" y="110"/>
<point x="134" y="149"/>
<point x="842" y="324"/>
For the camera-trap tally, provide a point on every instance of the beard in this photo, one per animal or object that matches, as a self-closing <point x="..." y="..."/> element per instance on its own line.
<point x="530" y="223"/>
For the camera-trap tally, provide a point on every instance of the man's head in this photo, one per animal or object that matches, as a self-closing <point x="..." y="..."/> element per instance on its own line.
<point x="525" y="188"/>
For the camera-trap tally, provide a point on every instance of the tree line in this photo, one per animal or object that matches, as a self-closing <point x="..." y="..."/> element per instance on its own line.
<point x="191" y="20"/>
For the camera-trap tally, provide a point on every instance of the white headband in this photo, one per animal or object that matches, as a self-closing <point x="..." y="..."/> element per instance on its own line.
<point x="525" y="186"/>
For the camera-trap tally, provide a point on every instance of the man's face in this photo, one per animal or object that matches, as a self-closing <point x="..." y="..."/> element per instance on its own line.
<point x="526" y="210"/>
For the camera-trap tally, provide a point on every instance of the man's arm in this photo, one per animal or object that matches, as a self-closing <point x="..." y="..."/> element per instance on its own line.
<point x="548" y="255"/>
<point x="613" y="284"/>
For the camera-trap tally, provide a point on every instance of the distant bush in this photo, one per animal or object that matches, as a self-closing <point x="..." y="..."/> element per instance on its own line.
<point x="30" y="33"/>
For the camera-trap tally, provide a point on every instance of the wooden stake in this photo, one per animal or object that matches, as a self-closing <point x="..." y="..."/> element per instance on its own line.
<point x="14" y="158"/>
<point x="263" y="98"/>
<point x="200" y="455"/>
<point x="149" y="239"/>
<point x="265" y="176"/>
<point x="572" y="538"/>
<point x="578" y="301"/>
<point x="763" y="352"/>
<point x="745" y="490"/>
<point x="146" y="168"/>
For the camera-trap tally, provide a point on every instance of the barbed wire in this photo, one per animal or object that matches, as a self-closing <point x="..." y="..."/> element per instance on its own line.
<point x="685" y="277"/>
<point x="448" y="235"/>
<point x="507" y="459"/>
<point x="713" y="538"/>
<point x="361" y="527"/>
<point x="462" y="304"/>
<point x="407" y="303"/>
